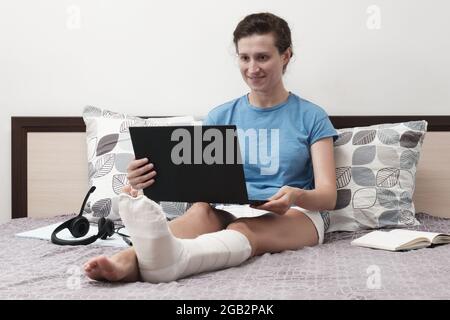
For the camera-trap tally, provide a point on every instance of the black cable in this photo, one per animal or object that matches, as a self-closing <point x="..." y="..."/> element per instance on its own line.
<point x="124" y="237"/>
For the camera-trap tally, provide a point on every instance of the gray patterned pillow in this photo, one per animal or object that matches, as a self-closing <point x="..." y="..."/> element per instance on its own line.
<point x="109" y="150"/>
<point x="375" y="176"/>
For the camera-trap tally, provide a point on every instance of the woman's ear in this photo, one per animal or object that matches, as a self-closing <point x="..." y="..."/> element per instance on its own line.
<point x="287" y="55"/>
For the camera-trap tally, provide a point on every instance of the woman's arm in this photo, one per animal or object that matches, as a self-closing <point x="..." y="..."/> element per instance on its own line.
<point x="323" y="197"/>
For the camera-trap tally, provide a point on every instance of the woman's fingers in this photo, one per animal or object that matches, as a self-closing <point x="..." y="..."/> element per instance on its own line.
<point x="138" y="182"/>
<point x="278" y="195"/>
<point x="265" y="206"/>
<point x="140" y="173"/>
<point x="142" y="178"/>
<point x="276" y="206"/>
<point x="144" y="185"/>
<point x="137" y="163"/>
<point x="133" y="173"/>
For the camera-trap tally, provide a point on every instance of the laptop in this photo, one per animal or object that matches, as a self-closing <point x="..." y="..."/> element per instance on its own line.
<point x="193" y="163"/>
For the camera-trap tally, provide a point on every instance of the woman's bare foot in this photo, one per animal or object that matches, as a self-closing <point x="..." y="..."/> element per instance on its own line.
<point x="122" y="267"/>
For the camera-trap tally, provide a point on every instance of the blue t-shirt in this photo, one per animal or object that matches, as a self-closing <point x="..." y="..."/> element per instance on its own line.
<point x="275" y="141"/>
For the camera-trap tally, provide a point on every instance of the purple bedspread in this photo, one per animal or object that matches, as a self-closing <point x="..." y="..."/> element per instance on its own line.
<point x="36" y="269"/>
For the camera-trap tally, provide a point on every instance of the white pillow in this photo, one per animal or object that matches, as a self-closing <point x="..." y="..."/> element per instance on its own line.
<point x="109" y="151"/>
<point x="375" y="176"/>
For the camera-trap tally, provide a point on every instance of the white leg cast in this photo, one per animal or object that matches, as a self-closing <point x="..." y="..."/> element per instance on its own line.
<point x="163" y="257"/>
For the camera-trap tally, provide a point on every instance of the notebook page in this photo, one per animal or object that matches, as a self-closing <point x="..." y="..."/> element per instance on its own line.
<point x="381" y="240"/>
<point x="415" y="234"/>
<point x="378" y="240"/>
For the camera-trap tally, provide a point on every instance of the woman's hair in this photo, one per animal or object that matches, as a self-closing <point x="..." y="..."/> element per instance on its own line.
<point x="264" y="23"/>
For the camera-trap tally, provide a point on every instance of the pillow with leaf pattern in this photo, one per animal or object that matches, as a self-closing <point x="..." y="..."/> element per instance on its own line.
<point x="109" y="151"/>
<point x="375" y="176"/>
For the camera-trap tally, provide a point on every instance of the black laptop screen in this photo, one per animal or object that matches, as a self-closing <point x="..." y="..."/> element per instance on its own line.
<point x="193" y="163"/>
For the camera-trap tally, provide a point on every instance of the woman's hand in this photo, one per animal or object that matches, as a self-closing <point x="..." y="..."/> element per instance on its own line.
<point x="140" y="175"/>
<point x="282" y="201"/>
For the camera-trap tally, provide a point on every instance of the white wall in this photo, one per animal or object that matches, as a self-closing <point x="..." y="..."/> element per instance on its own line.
<point x="176" y="57"/>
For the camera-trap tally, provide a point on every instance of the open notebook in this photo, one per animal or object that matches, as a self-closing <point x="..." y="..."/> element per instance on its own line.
<point x="400" y="239"/>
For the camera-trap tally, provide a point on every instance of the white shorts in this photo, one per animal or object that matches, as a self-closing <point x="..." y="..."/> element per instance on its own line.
<point x="245" y="210"/>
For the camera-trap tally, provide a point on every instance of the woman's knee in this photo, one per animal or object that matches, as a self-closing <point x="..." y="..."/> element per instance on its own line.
<point x="201" y="207"/>
<point x="203" y="213"/>
<point x="242" y="225"/>
<point x="199" y="210"/>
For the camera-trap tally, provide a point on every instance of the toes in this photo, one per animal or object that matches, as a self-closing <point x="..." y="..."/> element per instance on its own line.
<point x="96" y="268"/>
<point x="91" y="264"/>
<point x="94" y="273"/>
<point x="101" y="268"/>
<point x="105" y="264"/>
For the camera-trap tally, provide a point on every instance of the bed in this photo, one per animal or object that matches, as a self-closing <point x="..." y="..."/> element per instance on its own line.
<point x="48" y="150"/>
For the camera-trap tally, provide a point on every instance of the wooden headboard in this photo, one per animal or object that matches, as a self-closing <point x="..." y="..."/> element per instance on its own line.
<point x="49" y="151"/>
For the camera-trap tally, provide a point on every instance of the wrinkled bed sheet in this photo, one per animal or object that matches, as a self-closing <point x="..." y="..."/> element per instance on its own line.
<point x="37" y="269"/>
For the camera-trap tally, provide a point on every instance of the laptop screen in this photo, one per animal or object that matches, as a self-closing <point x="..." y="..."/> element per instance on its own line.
<point x="193" y="163"/>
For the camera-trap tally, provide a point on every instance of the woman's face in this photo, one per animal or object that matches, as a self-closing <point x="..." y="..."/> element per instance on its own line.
<point x="260" y="63"/>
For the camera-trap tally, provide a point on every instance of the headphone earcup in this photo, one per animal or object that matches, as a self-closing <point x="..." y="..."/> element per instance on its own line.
<point x="79" y="227"/>
<point x="105" y="227"/>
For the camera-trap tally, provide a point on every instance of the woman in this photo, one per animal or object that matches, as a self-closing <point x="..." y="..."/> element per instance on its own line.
<point x="209" y="238"/>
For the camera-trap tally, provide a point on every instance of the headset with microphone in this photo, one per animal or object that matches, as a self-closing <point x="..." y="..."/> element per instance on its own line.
<point x="79" y="227"/>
